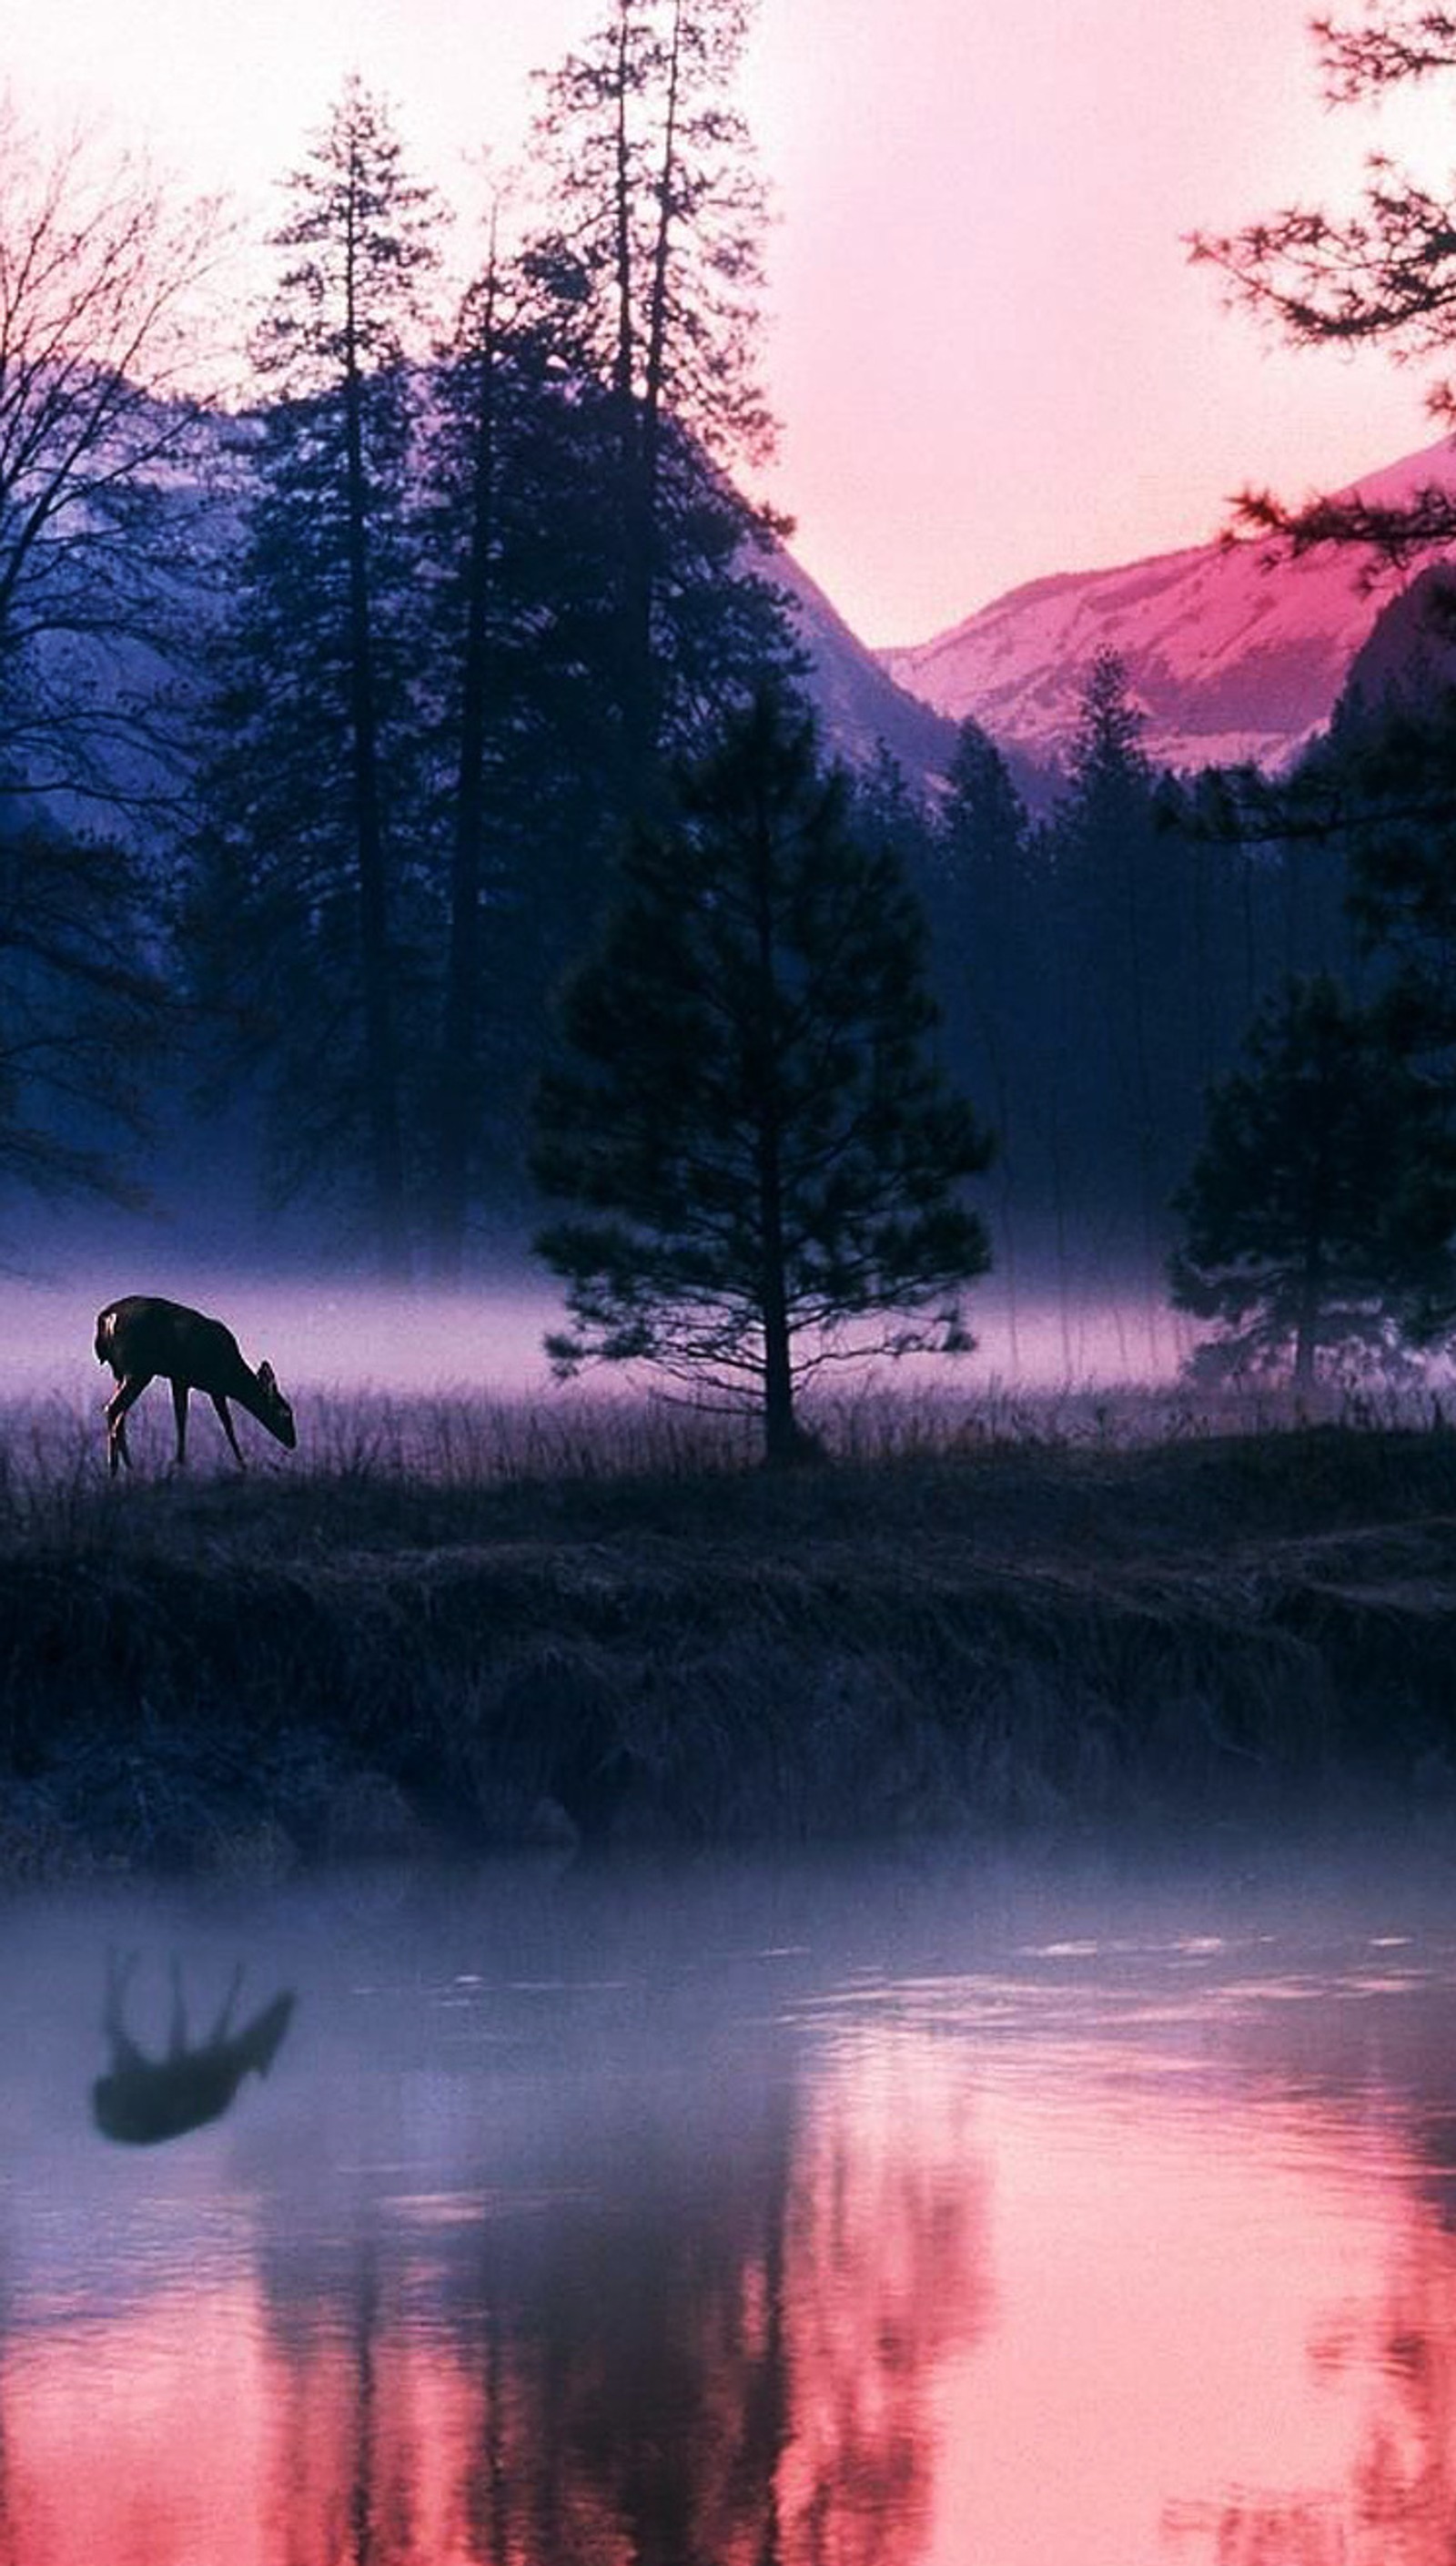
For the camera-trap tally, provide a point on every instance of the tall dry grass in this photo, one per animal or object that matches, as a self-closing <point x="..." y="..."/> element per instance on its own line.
<point x="54" y="1475"/>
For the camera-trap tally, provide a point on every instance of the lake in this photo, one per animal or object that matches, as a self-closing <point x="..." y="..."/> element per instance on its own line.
<point x="1068" y="2210"/>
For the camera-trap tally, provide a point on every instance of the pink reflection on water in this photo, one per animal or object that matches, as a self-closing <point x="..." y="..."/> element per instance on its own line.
<point x="1093" y="2260"/>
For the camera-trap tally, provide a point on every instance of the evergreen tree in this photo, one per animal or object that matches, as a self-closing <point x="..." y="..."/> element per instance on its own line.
<point x="527" y="767"/>
<point x="1321" y="1207"/>
<point x="1111" y="887"/>
<point x="766" y="1161"/>
<point x="991" y="950"/>
<point x="1381" y="789"/>
<point x="83" y="1015"/>
<point x="660" y="217"/>
<point x="313" y="859"/>
<point x="1384" y="275"/>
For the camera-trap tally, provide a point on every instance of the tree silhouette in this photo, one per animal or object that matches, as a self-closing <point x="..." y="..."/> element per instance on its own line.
<point x="312" y="732"/>
<point x="658" y="216"/>
<point x="767" y="1159"/>
<point x="1319" y="1210"/>
<point x="103" y="426"/>
<point x="1385" y="274"/>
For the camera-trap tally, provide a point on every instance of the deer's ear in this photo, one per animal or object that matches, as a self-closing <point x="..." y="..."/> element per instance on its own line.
<point x="267" y="1375"/>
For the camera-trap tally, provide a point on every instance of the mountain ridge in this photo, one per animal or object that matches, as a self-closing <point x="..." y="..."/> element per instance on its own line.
<point x="1235" y="650"/>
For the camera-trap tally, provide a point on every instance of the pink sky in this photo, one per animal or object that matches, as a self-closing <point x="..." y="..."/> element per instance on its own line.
<point x="989" y="353"/>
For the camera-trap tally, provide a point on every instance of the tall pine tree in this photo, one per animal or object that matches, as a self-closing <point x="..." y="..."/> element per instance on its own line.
<point x="660" y="217"/>
<point x="312" y="854"/>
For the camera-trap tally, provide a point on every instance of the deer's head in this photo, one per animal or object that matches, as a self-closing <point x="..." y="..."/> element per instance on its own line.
<point x="275" y="1412"/>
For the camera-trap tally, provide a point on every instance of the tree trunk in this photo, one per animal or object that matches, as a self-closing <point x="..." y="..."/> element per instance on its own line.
<point x="381" y="1080"/>
<point x="457" y="1101"/>
<point x="783" y="1441"/>
<point x="635" y="598"/>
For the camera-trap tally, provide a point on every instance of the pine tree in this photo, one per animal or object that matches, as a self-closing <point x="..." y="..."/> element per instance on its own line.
<point x="1384" y="275"/>
<point x="661" y="218"/>
<point x="1111" y="884"/>
<point x="84" y="1013"/>
<point x="766" y="1161"/>
<point x="1319" y="1210"/>
<point x="526" y="766"/>
<point x="312" y="843"/>
<point x="992" y="956"/>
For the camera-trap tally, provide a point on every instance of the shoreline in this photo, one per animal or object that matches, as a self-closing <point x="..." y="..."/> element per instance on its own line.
<point x="243" y="1676"/>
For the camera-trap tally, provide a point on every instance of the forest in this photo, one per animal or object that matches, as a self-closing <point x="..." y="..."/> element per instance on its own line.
<point x="349" y="677"/>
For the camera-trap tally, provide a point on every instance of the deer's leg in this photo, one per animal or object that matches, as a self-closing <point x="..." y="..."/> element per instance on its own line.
<point x="180" y="1411"/>
<point x="227" y="1426"/>
<point x="117" y="1407"/>
<point x="221" y="2028"/>
<point x="123" y="2049"/>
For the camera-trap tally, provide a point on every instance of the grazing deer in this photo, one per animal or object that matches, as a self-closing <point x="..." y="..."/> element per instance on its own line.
<point x="140" y="1336"/>
<point x="141" y="2100"/>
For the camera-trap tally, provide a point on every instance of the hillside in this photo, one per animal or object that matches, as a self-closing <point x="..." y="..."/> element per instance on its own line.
<point x="1234" y="652"/>
<point x="859" y="703"/>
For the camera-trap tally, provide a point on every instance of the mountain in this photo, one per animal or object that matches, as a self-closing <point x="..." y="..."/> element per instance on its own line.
<point x="1234" y="652"/>
<point x="859" y="703"/>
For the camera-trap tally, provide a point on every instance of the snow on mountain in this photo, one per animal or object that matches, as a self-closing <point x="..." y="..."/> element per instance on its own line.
<point x="1234" y="651"/>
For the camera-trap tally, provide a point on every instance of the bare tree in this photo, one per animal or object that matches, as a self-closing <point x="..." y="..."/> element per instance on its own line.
<point x="102" y="415"/>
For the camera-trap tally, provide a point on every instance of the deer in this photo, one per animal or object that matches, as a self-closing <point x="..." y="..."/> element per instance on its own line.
<point x="141" y="1336"/>
<point x="140" y="2101"/>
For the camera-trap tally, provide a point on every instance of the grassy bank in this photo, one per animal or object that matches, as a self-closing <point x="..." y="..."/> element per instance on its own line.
<point x="443" y="1628"/>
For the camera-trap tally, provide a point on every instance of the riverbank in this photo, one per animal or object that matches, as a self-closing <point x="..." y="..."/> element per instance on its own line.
<point x="246" y="1673"/>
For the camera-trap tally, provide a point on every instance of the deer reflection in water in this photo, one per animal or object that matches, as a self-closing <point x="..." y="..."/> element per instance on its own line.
<point x="141" y="2100"/>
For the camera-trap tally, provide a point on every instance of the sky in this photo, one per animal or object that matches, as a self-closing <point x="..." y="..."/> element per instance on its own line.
<point x="989" y="354"/>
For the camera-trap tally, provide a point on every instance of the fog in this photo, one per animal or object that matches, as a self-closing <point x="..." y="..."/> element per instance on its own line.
<point x="341" y="1335"/>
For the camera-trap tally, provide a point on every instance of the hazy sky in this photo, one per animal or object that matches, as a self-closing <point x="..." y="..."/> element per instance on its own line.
<point x="989" y="353"/>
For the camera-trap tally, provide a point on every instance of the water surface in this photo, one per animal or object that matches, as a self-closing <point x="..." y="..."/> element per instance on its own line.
<point x="974" y="2212"/>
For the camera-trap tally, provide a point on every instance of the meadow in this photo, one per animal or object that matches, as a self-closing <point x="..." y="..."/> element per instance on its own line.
<point x="452" y="1623"/>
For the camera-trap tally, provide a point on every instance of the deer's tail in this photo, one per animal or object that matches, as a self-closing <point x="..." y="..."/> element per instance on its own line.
<point x="103" y="1330"/>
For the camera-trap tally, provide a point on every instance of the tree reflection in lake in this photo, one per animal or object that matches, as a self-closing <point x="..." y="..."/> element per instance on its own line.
<point x="755" y="2221"/>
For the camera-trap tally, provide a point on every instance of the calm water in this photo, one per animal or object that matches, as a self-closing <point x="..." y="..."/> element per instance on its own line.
<point x="987" y="2215"/>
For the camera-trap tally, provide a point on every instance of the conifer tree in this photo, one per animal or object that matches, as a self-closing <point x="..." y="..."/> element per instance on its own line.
<point x="1109" y="1091"/>
<point x="83" y="1010"/>
<point x="766" y="1162"/>
<point x="1381" y="275"/>
<point x="527" y="767"/>
<point x="993" y="963"/>
<point x="1320" y="1210"/>
<point x="312" y="843"/>
<point x="659" y="220"/>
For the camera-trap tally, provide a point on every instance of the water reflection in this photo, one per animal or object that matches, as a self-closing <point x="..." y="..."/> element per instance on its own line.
<point x="755" y="2222"/>
<point x="141" y="2101"/>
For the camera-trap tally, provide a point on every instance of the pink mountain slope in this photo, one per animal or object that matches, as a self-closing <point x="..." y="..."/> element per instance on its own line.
<point x="1233" y="652"/>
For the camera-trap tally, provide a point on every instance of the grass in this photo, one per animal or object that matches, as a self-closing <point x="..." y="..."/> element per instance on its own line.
<point x="456" y="1622"/>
